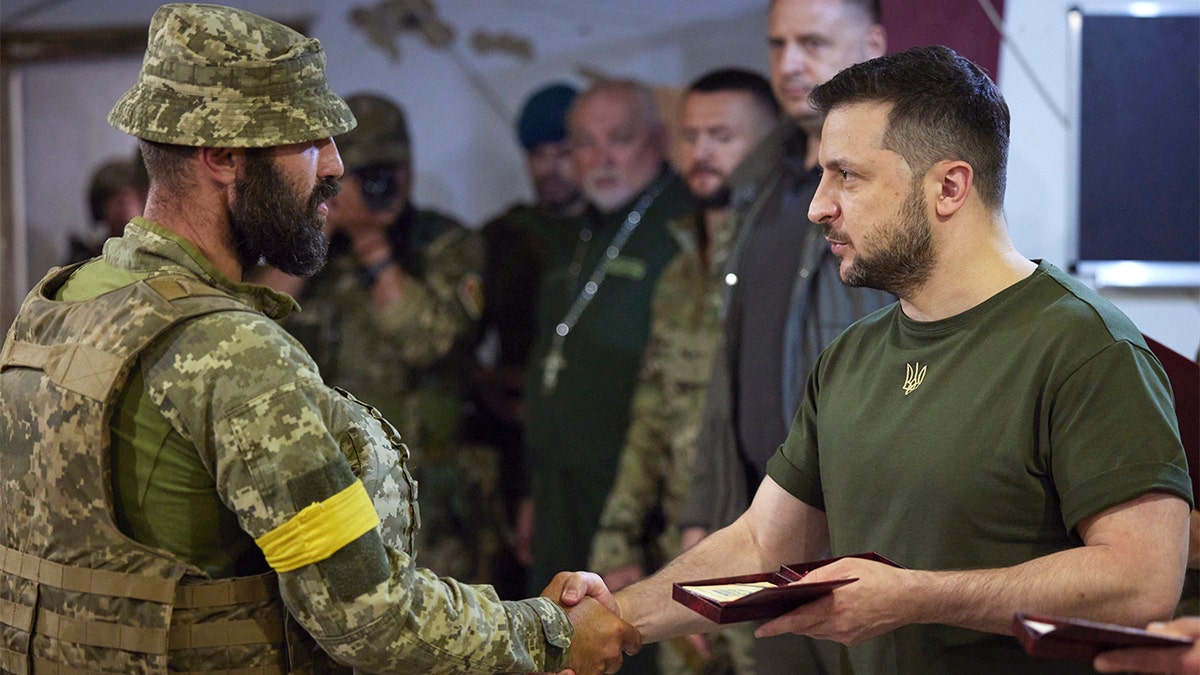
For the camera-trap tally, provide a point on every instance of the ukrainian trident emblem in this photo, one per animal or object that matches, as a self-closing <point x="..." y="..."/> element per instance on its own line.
<point x="914" y="375"/>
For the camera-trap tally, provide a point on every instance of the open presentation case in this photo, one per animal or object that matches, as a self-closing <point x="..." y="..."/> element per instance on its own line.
<point x="754" y="597"/>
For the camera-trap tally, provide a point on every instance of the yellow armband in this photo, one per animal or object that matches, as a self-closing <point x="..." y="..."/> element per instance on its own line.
<point x="320" y="529"/>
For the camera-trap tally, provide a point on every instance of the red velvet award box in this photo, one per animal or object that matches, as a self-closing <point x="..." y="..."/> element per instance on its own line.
<point x="755" y="597"/>
<point x="1067" y="639"/>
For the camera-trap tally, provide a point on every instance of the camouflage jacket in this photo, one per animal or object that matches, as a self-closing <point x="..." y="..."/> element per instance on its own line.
<point x="638" y="524"/>
<point x="277" y="443"/>
<point x="411" y="361"/>
<point x="408" y="359"/>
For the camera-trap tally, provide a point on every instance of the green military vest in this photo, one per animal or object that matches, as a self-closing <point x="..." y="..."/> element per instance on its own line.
<point x="76" y="594"/>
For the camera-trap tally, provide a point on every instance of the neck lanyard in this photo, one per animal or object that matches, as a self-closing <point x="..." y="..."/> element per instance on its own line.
<point x="554" y="361"/>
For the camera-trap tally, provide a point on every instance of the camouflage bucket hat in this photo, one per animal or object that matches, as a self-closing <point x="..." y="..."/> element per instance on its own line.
<point x="381" y="136"/>
<point x="223" y="77"/>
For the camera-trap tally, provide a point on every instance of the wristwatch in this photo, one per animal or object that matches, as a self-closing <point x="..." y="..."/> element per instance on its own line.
<point x="370" y="274"/>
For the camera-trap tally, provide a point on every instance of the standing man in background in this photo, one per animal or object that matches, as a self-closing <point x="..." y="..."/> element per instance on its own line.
<point x="116" y="193"/>
<point x="725" y="114"/>
<point x="783" y="301"/>
<point x="594" y="320"/>
<point x="392" y="318"/>
<point x="594" y="316"/>
<point x="519" y="245"/>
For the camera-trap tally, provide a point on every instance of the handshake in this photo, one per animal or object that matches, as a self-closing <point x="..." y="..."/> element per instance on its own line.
<point x="602" y="637"/>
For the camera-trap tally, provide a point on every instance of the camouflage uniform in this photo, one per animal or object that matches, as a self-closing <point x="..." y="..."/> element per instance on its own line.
<point x="149" y="360"/>
<point x="409" y="360"/>
<point x="273" y="440"/>
<point x="639" y="523"/>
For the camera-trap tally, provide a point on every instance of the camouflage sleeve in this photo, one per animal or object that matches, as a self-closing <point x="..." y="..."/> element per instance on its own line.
<point x="439" y="311"/>
<point x="633" y="495"/>
<point x="716" y="477"/>
<point x="283" y="449"/>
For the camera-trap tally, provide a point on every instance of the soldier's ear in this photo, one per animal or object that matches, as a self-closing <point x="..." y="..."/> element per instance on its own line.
<point x="221" y="165"/>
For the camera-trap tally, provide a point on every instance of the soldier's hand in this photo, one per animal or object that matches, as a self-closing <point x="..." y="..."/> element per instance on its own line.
<point x="601" y="639"/>
<point x="523" y="532"/>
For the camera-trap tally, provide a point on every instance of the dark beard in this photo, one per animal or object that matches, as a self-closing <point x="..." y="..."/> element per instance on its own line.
<point x="907" y="261"/>
<point x="270" y="223"/>
<point x="719" y="198"/>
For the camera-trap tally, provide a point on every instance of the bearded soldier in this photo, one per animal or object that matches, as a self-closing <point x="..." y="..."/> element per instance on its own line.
<point x="180" y="489"/>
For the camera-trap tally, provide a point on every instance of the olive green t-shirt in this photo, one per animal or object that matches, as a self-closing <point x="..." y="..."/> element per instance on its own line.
<point x="980" y="441"/>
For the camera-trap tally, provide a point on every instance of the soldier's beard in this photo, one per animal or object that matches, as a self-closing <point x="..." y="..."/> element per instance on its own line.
<point x="273" y="224"/>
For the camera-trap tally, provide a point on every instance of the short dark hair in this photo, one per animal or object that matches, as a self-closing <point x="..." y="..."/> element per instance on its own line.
<point x="737" y="79"/>
<point x="166" y="163"/>
<point x="943" y="107"/>
<point x="872" y="8"/>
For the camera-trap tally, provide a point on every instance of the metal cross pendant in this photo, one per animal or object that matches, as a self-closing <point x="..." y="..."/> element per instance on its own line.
<point x="551" y="365"/>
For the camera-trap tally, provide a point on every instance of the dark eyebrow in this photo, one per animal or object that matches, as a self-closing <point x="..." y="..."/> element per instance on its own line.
<point x="832" y="163"/>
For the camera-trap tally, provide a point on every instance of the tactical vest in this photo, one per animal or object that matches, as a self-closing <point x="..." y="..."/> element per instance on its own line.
<point x="76" y="594"/>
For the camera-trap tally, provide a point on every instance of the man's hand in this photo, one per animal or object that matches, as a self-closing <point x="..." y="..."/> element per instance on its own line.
<point x="499" y="389"/>
<point x="568" y="588"/>
<point x="523" y="532"/>
<point x="1157" y="659"/>
<point x="601" y="637"/>
<point x="853" y="613"/>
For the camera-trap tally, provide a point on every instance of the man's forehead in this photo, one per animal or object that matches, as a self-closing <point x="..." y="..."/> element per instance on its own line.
<point x="866" y="116"/>
<point x="854" y="128"/>
<point x="800" y="18"/>
<point x="718" y="98"/>
<point x="606" y="113"/>
<point x="727" y="104"/>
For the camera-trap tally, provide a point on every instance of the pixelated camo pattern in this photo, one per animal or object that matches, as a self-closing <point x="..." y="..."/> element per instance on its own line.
<point x="655" y="468"/>
<point x="277" y="440"/>
<point x="55" y="505"/>
<point x="222" y="77"/>
<point x="409" y="361"/>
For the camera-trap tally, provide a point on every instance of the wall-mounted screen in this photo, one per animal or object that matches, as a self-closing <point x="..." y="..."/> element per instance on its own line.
<point x="1136" y="120"/>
